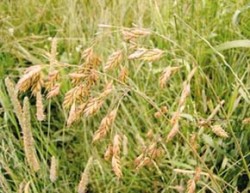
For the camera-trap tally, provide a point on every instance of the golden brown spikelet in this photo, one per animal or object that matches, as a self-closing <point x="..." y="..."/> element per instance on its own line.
<point x="14" y="99"/>
<point x="72" y="114"/>
<point x="87" y="54"/>
<point x="123" y="74"/>
<point x="51" y="80"/>
<point x="116" y="163"/>
<point x="193" y="141"/>
<point x="146" y="55"/>
<point x="93" y="106"/>
<point x="144" y="162"/>
<point x="75" y="94"/>
<point x="116" y="144"/>
<point x="39" y="107"/>
<point x="152" y="55"/>
<point x="173" y="131"/>
<point x="29" y="147"/>
<point x="134" y="33"/>
<point x="175" y="117"/>
<point x="191" y="185"/>
<point x="219" y="131"/>
<point x="31" y="79"/>
<point x="53" y="169"/>
<point x="107" y="89"/>
<point x="54" y="91"/>
<point x="184" y="94"/>
<point x="161" y="112"/>
<point x="113" y="60"/>
<point x="137" y="54"/>
<point x="246" y="120"/>
<point x="197" y="174"/>
<point x="82" y="186"/>
<point x="105" y="125"/>
<point x="109" y="152"/>
<point x="166" y="74"/>
<point x="76" y="78"/>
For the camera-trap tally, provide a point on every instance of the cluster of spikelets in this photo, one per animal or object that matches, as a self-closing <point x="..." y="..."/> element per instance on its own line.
<point x="82" y="101"/>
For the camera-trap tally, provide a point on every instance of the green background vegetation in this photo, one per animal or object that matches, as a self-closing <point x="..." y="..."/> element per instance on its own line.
<point x="192" y="33"/>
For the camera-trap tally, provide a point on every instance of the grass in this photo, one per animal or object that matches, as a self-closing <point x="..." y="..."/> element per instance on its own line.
<point x="209" y="36"/>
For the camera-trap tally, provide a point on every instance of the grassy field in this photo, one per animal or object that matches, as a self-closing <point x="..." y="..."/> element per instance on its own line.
<point x="137" y="96"/>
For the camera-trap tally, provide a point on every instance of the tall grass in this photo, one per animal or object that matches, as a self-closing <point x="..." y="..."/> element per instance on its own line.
<point x="125" y="96"/>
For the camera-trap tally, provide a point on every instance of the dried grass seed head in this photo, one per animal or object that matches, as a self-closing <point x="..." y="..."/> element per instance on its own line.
<point x="219" y="131"/>
<point x="113" y="60"/>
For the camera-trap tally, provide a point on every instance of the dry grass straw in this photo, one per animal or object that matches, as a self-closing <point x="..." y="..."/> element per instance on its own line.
<point x="82" y="186"/>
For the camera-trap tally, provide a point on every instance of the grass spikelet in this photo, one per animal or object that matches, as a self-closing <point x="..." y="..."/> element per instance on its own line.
<point x="197" y="174"/>
<point x="134" y="33"/>
<point x="53" y="169"/>
<point x="144" y="162"/>
<point x="51" y="80"/>
<point x="161" y="112"/>
<point x="105" y="125"/>
<point x="109" y="152"/>
<point x="219" y="131"/>
<point x="166" y="74"/>
<point x="173" y="131"/>
<point x="31" y="79"/>
<point x="184" y="94"/>
<point x="116" y="163"/>
<point x="87" y="54"/>
<point x="14" y="99"/>
<point x="137" y="54"/>
<point x="93" y="106"/>
<point x="39" y="107"/>
<point x="191" y="185"/>
<point x="152" y="55"/>
<point x="82" y="186"/>
<point x="123" y="74"/>
<point x="29" y="147"/>
<point x="76" y="78"/>
<point x="54" y="91"/>
<point x="246" y="120"/>
<point x="74" y="94"/>
<point x="72" y="114"/>
<point x="113" y="60"/>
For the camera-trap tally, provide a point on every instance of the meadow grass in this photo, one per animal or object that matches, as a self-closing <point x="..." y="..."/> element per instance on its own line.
<point x="125" y="96"/>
